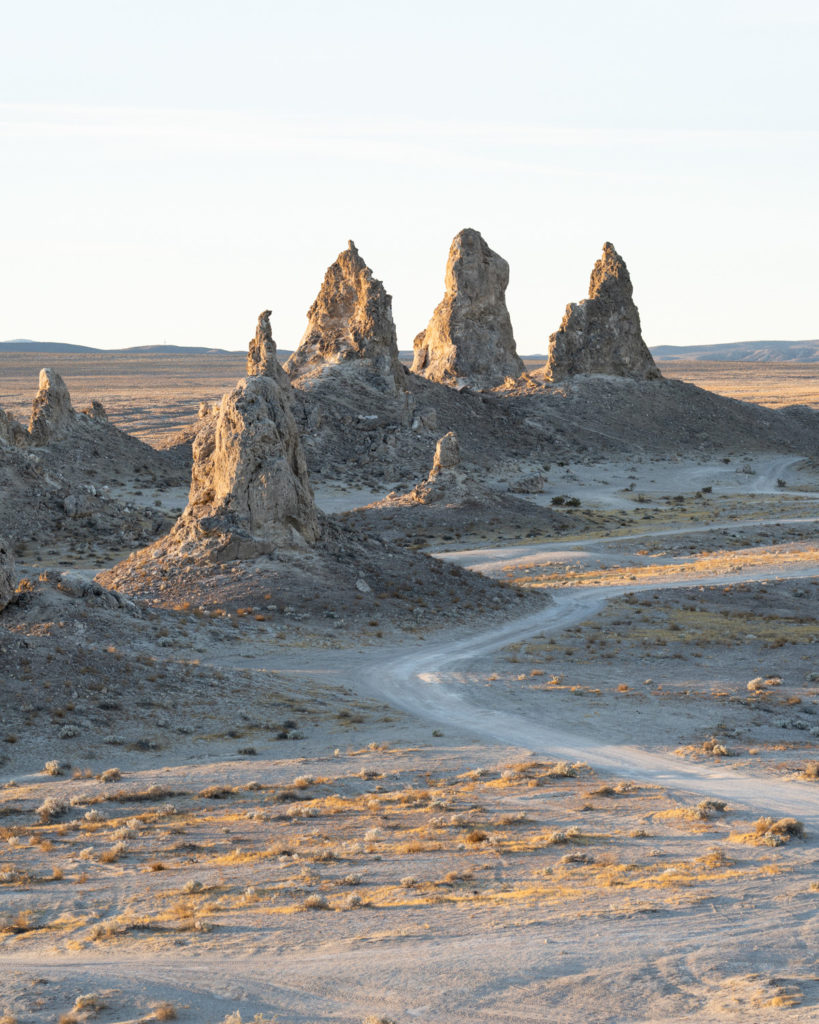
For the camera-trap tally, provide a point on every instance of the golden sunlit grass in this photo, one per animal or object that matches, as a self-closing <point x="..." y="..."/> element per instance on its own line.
<point x="715" y="563"/>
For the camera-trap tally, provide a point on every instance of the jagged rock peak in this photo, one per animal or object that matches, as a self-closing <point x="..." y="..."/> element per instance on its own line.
<point x="8" y="577"/>
<point x="602" y="334"/>
<point x="249" y="486"/>
<point x="52" y="415"/>
<point x="351" y="319"/>
<point x="261" y="356"/>
<point x="469" y="339"/>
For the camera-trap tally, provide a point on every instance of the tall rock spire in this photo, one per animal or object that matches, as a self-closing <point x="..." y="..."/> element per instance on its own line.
<point x="469" y="339"/>
<point x="602" y="333"/>
<point x="350" y="320"/>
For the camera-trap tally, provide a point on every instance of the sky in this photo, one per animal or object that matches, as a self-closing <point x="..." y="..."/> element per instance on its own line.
<point x="169" y="169"/>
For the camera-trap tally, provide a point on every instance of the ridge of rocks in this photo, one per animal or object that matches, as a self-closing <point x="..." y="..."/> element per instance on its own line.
<point x="350" y="322"/>
<point x="602" y="334"/>
<point x="469" y="340"/>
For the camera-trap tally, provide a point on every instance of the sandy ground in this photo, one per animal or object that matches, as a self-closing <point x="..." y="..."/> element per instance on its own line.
<point x="606" y="811"/>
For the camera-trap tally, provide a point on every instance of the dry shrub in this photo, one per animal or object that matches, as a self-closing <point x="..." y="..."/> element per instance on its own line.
<point x="476" y="836"/>
<point x="216" y="792"/>
<point x="777" y="833"/>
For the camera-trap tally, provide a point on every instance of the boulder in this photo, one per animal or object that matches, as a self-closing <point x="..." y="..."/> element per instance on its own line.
<point x="52" y="416"/>
<point x="469" y="340"/>
<point x="350" y="324"/>
<point x="602" y="333"/>
<point x="8" y="577"/>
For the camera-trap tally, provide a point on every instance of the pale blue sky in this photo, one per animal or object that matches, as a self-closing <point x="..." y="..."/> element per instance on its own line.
<point x="167" y="170"/>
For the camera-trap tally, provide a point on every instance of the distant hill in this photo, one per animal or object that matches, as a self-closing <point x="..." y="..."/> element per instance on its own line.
<point x="743" y="352"/>
<point x="25" y="345"/>
<point x="57" y="347"/>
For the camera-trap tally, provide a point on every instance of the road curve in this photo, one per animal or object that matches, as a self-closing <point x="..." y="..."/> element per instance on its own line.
<point x="422" y="683"/>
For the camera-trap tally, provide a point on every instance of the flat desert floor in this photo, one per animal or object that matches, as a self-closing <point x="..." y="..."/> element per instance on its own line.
<point x="156" y="397"/>
<point x="606" y="811"/>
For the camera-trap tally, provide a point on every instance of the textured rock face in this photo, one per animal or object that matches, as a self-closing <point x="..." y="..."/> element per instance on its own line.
<point x="8" y="578"/>
<point x="249" y="473"/>
<point x="351" y="320"/>
<point x="10" y="430"/>
<point x="602" y="333"/>
<point x="445" y="481"/>
<point x="249" y="486"/>
<point x="447" y="453"/>
<point x="52" y="415"/>
<point x="469" y="339"/>
<point x="261" y="356"/>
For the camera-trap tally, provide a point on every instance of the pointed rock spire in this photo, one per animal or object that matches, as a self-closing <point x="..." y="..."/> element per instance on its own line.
<point x="469" y="339"/>
<point x="52" y="415"/>
<point x="602" y="333"/>
<point x="249" y="491"/>
<point x="261" y="356"/>
<point x="351" y="319"/>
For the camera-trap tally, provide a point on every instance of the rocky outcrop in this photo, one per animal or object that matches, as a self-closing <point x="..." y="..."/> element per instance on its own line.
<point x="261" y="356"/>
<point x="8" y="577"/>
<point x="11" y="432"/>
<point x="350" y="323"/>
<point x="52" y="415"/>
<point x="249" y="491"/>
<point x="602" y="333"/>
<point x="469" y="339"/>
<point x="445" y="481"/>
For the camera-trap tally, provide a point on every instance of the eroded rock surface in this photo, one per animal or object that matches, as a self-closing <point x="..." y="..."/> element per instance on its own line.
<point x="8" y="577"/>
<point x="469" y="339"/>
<point x="10" y="430"/>
<point x="350" y="322"/>
<point x="249" y="486"/>
<point x="602" y="333"/>
<point x="445" y="481"/>
<point x="52" y="415"/>
<point x="261" y="356"/>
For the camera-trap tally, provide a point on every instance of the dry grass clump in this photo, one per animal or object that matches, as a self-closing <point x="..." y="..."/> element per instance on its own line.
<point x="110" y="775"/>
<point x="811" y="770"/>
<point x="777" y="833"/>
<point x="131" y="796"/>
<point x="164" y="1011"/>
<point x="771" y="832"/>
<point x="315" y="901"/>
<point x="51" y="808"/>
<point x="558" y="838"/>
<point x="710" y="747"/>
<point x="216" y="792"/>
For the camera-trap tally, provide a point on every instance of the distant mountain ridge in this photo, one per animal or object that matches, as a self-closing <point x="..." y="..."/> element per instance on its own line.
<point x="734" y="351"/>
<point x="743" y="352"/>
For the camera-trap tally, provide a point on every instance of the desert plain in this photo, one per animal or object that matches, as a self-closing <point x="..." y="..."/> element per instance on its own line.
<point x="528" y="736"/>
